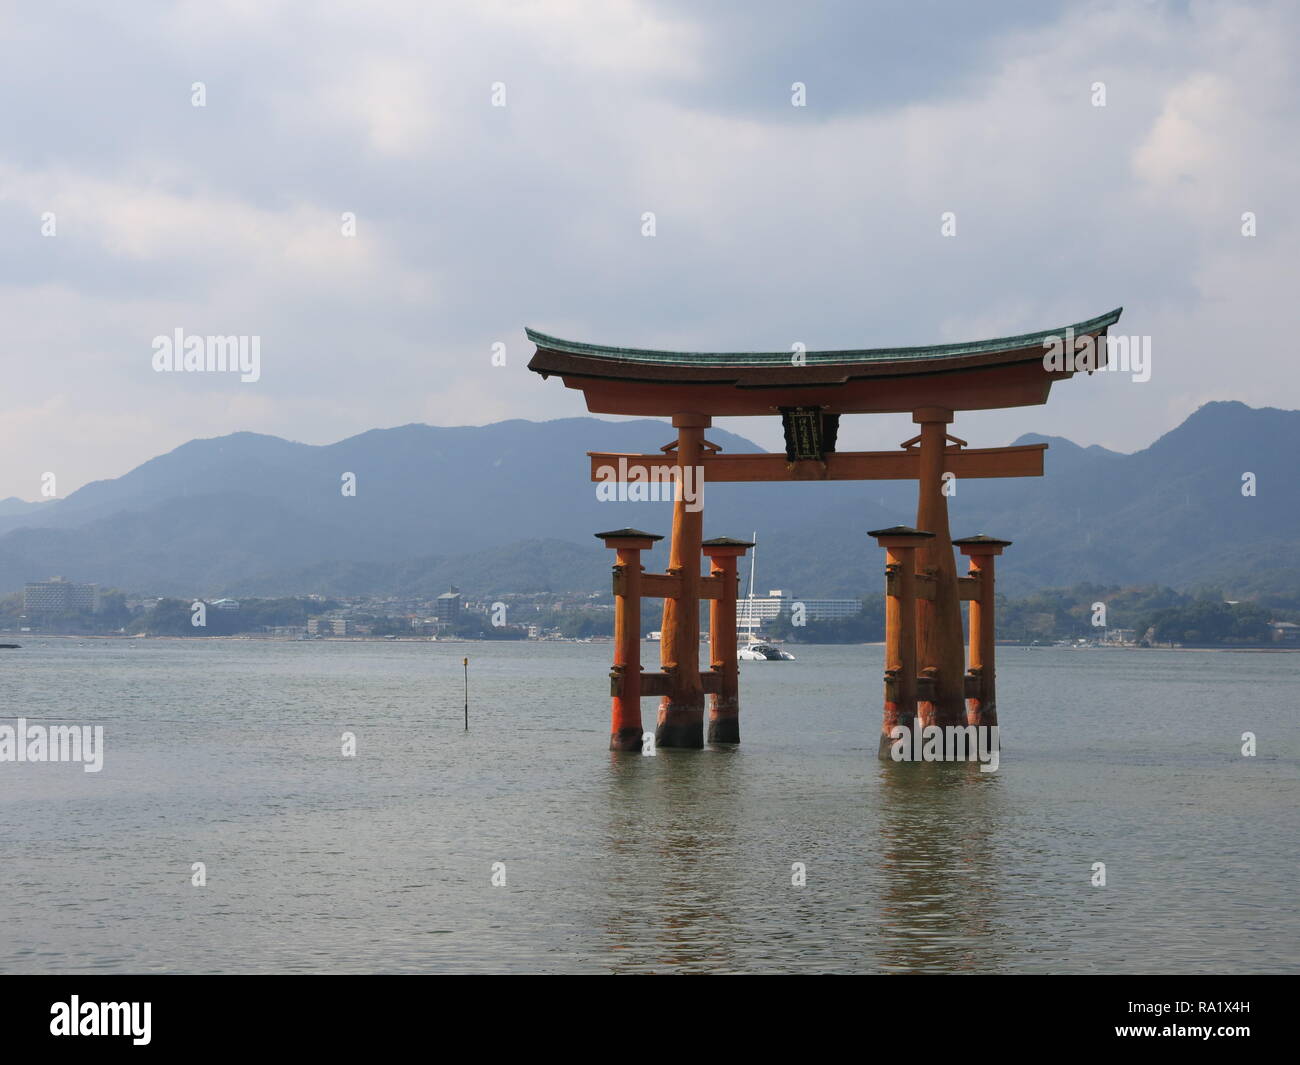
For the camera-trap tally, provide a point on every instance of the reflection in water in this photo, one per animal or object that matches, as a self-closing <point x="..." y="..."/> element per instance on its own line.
<point x="687" y="867"/>
<point x="937" y="823"/>
<point x="670" y="838"/>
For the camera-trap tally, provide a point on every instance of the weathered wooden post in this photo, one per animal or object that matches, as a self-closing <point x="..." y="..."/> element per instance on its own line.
<point x="981" y="701"/>
<point x="724" y="708"/>
<point x="625" y="678"/>
<point x="938" y="618"/>
<point x="901" y="682"/>
<point x="681" y="712"/>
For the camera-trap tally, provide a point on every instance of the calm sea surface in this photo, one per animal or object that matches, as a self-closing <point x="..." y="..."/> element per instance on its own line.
<point x="228" y="753"/>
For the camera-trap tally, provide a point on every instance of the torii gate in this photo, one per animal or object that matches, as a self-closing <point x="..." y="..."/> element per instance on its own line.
<point x="810" y="391"/>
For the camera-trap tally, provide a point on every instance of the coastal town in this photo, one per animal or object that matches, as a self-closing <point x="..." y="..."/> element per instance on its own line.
<point x="1055" y="618"/>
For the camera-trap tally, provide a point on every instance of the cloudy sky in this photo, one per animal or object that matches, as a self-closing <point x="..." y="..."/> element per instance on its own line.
<point x="775" y="224"/>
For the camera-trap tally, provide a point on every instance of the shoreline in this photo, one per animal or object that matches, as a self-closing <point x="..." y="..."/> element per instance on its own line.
<point x="257" y="638"/>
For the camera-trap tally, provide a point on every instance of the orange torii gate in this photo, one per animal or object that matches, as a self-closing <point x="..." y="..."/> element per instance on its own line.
<point x="925" y="671"/>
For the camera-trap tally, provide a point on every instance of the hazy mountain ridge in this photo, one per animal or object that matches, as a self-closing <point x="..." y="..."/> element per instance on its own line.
<point x="14" y="505"/>
<point x="508" y="507"/>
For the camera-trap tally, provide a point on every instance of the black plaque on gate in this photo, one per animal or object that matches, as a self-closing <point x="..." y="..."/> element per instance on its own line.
<point x="809" y="433"/>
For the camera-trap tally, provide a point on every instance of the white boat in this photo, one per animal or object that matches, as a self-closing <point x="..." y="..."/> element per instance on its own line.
<point x="754" y="648"/>
<point x="758" y="651"/>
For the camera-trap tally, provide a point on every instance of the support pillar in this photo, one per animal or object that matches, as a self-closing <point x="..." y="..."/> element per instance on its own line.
<point x="625" y="678"/>
<point x="681" y="713"/>
<point x="939" y="631"/>
<point x="981" y="704"/>
<point x="724" y="706"/>
<point x="901" y="683"/>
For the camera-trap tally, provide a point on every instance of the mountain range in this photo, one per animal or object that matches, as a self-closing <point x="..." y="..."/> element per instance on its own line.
<point x="508" y="507"/>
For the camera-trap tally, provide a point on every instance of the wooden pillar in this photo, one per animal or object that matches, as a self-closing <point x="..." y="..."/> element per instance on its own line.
<point x="900" y="543"/>
<point x="982" y="704"/>
<point x="625" y="678"/>
<point x="724" y="706"/>
<point x="681" y="713"/>
<point x="939" y="632"/>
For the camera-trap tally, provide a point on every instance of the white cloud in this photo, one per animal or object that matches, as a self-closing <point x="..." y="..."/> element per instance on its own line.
<point x="775" y="225"/>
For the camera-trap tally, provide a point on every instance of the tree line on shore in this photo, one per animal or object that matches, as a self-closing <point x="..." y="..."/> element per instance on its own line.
<point x="1153" y="614"/>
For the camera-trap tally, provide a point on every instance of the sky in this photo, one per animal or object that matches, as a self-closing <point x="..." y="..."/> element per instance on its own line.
<point x="127" y="212"/>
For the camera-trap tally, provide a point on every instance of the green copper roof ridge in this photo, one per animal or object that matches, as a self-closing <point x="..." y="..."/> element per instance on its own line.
<point x="759" y="358"/>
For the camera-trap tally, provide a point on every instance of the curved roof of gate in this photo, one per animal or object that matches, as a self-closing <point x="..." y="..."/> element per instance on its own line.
<point x="548" y="343"/>
<point x="979" y="374"/>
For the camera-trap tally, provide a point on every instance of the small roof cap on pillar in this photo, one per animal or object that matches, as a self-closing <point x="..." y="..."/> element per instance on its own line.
<point x="901" y="531"/>
<point x="626" y="534"/>
<point x="725" y="547"/>
<point x="981" y="545"/>
<point x="903" y="537"/>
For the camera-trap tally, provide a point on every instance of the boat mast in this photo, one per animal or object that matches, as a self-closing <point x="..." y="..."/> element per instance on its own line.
<point x="749" y="601"/>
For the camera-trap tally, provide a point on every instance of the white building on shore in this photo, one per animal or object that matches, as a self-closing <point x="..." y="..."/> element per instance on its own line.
<point x="59" y="595"/>
<point x="752" y="613"/>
